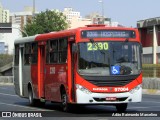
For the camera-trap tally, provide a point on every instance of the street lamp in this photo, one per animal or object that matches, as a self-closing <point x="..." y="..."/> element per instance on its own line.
<point x="102" y="7"/>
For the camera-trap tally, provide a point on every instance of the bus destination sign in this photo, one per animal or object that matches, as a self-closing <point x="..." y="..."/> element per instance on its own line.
<point x="108" y="34"/>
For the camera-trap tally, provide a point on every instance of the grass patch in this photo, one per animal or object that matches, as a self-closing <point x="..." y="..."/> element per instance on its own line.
<point x="151" y="70"/>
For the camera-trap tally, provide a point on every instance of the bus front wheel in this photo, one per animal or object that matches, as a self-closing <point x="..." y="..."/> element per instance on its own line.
<point x="65" y="105"/>
<point x="121" y="107"/>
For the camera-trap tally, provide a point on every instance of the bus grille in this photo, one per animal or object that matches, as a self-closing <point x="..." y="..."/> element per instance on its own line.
<point x="110" y="81"/>
<point x="104" y="99"/>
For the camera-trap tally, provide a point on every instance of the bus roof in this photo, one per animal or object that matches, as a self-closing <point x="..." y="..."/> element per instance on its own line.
<point x="70" y="32"/>
<point x="25" y="39"/>
<point x="51" y="35"/>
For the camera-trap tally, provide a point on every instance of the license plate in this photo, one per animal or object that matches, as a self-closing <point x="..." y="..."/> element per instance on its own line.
<point x="111" y="98"/>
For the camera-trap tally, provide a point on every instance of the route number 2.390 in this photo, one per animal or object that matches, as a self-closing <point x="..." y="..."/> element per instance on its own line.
<point x="97" y="46"/>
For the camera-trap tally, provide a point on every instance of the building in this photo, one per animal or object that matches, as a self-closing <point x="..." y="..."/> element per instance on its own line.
<point x="1" y="12"/>
<point x="2" y="47"/>
<point x="76" y="22"/>
<point x="70" y="13"/>
<point x="150" y="38"/>
<point x="4" y="18"/>
<point x="75" y="19"/>
<point x="9" y="38"/>
<point x="20" y="18"/>
<point x="96" y="18"/>
<point x="4" y="15"/>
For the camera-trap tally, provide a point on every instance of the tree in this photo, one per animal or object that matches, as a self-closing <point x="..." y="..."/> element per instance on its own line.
<point x="46" y="22"/>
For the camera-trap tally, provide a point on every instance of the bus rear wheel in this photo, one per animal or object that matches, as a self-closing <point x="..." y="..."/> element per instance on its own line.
<point x="32" y="101"/>
<point x="121" y="107"/>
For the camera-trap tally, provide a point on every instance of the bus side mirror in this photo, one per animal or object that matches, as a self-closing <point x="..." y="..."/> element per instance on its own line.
<point x="74" y="48"/>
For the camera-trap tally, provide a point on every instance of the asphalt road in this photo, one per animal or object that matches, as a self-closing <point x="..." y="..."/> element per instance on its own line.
<point x="11" y="102"/>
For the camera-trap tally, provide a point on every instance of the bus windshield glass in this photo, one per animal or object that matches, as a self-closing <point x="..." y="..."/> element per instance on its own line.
<point x="109" y="58"/>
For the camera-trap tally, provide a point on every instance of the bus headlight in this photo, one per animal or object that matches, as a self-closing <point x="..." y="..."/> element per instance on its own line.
<point x="135" y="89"/>
<point x="83" y="89"/>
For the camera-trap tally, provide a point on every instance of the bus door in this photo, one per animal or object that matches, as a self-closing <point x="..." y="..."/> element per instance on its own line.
<point x="73" y="61"/>
<point x="21" y="63"/>
<point x="41" y="69"/>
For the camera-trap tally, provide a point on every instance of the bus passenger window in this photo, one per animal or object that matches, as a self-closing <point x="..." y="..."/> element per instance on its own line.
<point x="53" y="57"/>
<point x="47" y="52"/>
<point x="63" y="50"/>
<point x="16" y="59"/>
<point x="53" y="49"/>
<point x="34" y="53"/>
<point x="27" y="55"/>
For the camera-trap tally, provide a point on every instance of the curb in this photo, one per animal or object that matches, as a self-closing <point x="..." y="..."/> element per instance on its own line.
<point x="1" y="84"/>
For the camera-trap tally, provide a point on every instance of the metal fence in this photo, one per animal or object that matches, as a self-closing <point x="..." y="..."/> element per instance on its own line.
<point x="151" y="83"/>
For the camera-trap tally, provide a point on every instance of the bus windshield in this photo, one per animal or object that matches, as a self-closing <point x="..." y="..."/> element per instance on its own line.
<point x="109" y="58"/>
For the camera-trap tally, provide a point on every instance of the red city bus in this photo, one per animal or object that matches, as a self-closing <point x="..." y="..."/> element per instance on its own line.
<point x="92" y="65"/>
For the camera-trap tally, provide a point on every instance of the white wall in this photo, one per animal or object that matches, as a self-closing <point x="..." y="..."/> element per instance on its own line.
<point x="9" y="38"/>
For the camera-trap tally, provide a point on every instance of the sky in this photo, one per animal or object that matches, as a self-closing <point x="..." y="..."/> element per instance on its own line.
<point x="126" y="12"/>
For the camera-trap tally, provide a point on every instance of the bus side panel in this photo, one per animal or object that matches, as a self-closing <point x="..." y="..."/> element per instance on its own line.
<point x="51" y="82"/>
<point x="16" y="80"/>
<point x="56" y="75"/>
<point x="34" y="79"/>
<point x="26" y="79"/>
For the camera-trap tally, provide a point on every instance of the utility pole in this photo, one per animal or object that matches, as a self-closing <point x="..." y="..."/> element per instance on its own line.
<point x="102" y="9"/>
<point x="33" y="12"/>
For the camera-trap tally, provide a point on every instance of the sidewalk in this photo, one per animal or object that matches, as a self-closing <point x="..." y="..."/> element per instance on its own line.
<point x="151" y="91"/>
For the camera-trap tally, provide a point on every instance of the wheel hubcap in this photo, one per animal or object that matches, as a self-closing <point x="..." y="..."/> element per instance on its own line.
<point x="30" y="97"/>
<point x="64" y="101"/>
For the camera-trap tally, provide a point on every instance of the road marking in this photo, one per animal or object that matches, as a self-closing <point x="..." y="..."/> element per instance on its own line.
<point x="9" y="94"/>
<point x="150" y="102"/>
<point x="143" y="107"/>
<point x="25" y="107"/>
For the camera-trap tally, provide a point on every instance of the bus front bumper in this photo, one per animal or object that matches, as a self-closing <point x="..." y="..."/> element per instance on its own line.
<point x="108" y="98"/>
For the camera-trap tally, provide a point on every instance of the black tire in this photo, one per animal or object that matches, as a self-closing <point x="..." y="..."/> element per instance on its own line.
<point x="32" y="101"/>
<point x="66" y="107"/>
<point x="40" y="103"/>
<point x="121" y="107"/>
